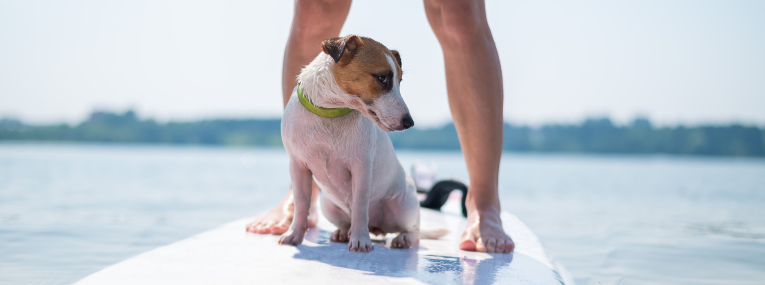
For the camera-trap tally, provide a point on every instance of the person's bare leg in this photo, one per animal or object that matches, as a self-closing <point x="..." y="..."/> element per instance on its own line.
<point x="312" y="22"/>
<point x="474" y="86"/>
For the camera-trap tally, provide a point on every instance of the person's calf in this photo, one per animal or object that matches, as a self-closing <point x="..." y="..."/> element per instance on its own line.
<point x="315" y="21"/>
<point x="456" y="22"/>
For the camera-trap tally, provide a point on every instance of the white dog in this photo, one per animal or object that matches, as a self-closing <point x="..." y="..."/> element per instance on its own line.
<point x="334" y="131"/>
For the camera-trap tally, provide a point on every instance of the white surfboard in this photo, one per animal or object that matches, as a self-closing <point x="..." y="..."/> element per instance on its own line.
<point x="229" y="255"/>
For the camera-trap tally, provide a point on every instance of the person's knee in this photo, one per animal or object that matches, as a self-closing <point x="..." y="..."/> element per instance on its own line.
<point x="314" y="20"/>
<point x="458" y="20"/>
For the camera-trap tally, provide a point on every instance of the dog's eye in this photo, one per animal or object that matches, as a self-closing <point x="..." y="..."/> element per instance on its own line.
<point x="373" y="113"/>
<point x="382" y="78"/>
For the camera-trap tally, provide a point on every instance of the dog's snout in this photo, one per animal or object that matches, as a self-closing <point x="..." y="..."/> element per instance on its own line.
<point x="407" y="121"/>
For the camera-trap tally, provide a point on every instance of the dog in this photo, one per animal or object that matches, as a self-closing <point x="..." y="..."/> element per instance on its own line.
<point x="334" y="130"/>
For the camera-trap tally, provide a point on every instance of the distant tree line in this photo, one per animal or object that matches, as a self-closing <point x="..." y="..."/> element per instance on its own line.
<point x="128" y="128"/>
<point x="602" y="136"/>
<point x="591" y="136"/>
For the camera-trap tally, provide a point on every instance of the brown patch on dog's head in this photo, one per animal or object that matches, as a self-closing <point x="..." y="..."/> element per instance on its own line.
<point x="336" y="47"/>
<point x="361" y="66"/>
<point x="368" y="70"/>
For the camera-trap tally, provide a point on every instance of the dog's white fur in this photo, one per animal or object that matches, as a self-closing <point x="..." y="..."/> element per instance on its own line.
<point x="363" y="184"/>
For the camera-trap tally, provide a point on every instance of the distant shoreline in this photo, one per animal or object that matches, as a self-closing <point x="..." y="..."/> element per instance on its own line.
<point x="596" y="136"/>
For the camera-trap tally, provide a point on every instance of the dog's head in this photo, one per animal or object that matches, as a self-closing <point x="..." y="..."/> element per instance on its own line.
<point x="371" y="74"/>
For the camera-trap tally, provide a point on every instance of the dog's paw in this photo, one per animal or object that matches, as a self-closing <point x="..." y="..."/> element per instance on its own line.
<point x="292" y="237"/>
<point x="404" y="240"/>
<point x="340" y="235"/>
<point x="360" y="243"/>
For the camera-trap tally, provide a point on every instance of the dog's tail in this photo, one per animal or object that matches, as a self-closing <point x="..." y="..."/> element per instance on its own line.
<point x="433" y="233"/>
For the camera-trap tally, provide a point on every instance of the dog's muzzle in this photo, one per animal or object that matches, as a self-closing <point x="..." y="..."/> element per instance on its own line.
<point x="407" y="121"/>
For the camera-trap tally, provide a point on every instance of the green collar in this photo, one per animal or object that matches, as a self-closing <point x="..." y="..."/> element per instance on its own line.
<point x="327" y="113"/>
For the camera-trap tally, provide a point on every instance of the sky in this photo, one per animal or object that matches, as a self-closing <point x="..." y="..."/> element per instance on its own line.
<point x="675" y="62"/>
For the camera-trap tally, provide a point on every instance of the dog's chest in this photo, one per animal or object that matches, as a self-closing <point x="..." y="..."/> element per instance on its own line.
<point x="329" y="147"/>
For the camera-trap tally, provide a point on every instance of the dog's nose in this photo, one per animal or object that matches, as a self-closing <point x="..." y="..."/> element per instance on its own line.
<point x="407" y="121"/>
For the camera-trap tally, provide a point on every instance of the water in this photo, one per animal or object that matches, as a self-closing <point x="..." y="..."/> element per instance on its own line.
<point x="69" y="210"/>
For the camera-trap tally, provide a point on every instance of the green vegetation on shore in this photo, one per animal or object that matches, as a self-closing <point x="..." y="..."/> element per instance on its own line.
<point x="591" y="136"/>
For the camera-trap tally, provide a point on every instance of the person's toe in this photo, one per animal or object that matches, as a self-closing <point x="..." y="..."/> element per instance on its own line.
<point x="500" y="248"/>
<point x="262" y="228"/>
<point x="509" y="246"/>
<point x="253" y="227"/>
<point x="468" y="245"/>
<point x="491" y="244"/>
<point x="278" y="229"/>
<point x="480" y="245"/>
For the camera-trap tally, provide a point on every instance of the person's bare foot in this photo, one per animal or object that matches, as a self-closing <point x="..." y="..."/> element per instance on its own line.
<point x="484" y="233"/>
<point x="278" y="220"/>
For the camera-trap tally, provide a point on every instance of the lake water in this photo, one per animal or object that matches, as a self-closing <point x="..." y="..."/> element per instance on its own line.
<point x="69" y="210"/>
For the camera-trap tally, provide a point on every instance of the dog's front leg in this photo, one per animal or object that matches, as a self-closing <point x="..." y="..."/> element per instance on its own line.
<point x="359" y="235"/>
<point x="301" y="192"/>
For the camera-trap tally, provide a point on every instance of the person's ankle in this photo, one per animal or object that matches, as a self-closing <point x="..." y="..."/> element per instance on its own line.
<point x="483" y="210"/>
<point x="486" y="204"/>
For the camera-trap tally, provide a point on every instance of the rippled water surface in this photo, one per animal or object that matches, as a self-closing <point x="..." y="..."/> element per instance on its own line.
<point x="69" y="210"/>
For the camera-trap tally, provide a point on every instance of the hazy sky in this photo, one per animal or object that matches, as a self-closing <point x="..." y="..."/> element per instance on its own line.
<point x="675" y="62"/>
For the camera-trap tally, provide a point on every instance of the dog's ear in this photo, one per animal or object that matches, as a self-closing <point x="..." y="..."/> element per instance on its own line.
<point x="397" y="56"/>
<point x="339" y="47"/>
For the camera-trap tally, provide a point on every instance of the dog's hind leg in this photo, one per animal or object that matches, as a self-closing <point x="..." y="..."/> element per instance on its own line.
<point x="404" y="215"/>
<point x="406" y="239"/>
<point x="340" y="235"/>
<point x="338" y="217"/>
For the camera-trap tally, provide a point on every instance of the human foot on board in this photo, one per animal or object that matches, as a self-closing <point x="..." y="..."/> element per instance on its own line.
<point x="278" y="220"/>
<point x="484" y="233"/>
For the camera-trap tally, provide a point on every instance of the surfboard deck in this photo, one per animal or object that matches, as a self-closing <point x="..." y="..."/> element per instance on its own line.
<point x="229" y="255"/>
